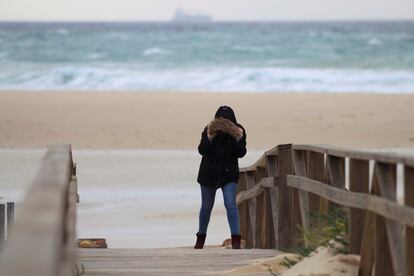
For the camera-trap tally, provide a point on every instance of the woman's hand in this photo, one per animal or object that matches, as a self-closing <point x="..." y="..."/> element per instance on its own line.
<point x="240" y="132"/>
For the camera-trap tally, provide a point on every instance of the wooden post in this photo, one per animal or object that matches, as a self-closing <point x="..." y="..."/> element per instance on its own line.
<point x="409" y="231"/>
<point x="358" y="182"/>
<point x="2" y="223"/>
<point x="299" y="163"/>
<point x="386" y="175"/>
<point x="368" y="245"/>
<point x="261" y="213"/>
<point x="382" y="263"/>
<point x="242" y="208"/>
<point x="10" y="216"/>
<point x="271" y="167"/>
<point x="336" y="171"/>
<point x="251" y="206"/>
<point x="270" y="238"/>
<point x="285" y="220"/>
<point x="315" y="170"/>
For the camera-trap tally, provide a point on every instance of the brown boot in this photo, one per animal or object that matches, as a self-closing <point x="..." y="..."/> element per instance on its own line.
<point x="235" y="241"/>
<point x="201" y="238"/>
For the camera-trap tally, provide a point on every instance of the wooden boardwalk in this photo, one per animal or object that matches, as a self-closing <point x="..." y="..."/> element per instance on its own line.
<point x="168" y="261"/>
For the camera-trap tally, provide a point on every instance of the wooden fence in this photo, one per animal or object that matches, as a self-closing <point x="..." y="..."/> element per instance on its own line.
<point x="6" y="220"/>
<point x="289" y="182"/>
<point x="42" y="238"/>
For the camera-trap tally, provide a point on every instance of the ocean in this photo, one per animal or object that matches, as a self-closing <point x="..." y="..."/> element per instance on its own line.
<point x="368" y="57"/>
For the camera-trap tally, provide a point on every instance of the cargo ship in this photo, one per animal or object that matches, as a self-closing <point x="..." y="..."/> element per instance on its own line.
<point x="182" y="16"/>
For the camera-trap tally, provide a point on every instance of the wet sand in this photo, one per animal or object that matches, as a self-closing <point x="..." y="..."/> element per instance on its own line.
<point x="124" y="197"/>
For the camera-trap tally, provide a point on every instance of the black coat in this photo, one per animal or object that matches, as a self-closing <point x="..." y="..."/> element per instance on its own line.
<point x="219" y="164"/>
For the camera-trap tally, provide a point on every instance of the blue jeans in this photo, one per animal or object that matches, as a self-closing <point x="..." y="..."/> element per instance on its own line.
<point x="208" y="195"/>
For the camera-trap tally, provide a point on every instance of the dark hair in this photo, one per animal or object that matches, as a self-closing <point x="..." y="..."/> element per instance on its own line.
<point x="226" y="112"/>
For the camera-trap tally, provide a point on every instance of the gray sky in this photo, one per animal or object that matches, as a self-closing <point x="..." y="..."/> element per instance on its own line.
<point x="219" y="9"/>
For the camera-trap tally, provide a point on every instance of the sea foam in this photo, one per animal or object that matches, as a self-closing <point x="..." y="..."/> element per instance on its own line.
<point x="243" y="79"/>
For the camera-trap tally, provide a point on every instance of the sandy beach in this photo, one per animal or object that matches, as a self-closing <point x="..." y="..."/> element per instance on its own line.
<point x="124" y="145"/>
<point x="127" y="120"/>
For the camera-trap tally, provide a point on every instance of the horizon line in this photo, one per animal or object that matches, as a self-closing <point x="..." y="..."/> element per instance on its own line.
<point x="210" y="22"/>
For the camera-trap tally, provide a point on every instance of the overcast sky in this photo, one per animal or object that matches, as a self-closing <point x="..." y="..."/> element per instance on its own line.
<point x="219" y="9"/>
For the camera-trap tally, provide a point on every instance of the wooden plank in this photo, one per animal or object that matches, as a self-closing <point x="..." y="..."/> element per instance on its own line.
<point x="386" y="176"/>
<point x="382" y="259"/>
<point x="10" y="215"/>
<point x="383" y="264"/>
<point x="69" y="256"/>
<point x="261" y="162"/>
<point x="409" y="231"/>
<point x="261" y="223"/>
<point x="359" y="154"/>
<point x="299" y="164"/>
<point x="169" y="261"/>
<point x="2" y="224"/>
<point x="381" y="206"/>
<point x="368" y="245"/>
<point x="336" y="173"/>
<point x="270" y="238"/>
<point x="315" y="170"/>
<point x="358" y="182"/>
<point x="249" y="194"/>
<point x="251" y="206"/>
<point x="266" y="182"/>
<point x="271" y="166"/>
<point x="336" y="170"/>
<point x="242" y="206"/>
<point x="35" y="242"/>
<point x="285" y="222"/>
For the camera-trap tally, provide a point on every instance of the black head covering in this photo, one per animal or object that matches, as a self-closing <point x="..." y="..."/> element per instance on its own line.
<point x="227" y="113"/>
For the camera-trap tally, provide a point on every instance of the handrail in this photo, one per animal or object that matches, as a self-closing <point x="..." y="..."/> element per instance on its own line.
<point x="312" y="178"/>
<point x="266" y="182"/>
<point x="379" y="205"/>
<point x="42" y="239"/>
<point x="261" y="161"/>
<point x="386" y="157"/>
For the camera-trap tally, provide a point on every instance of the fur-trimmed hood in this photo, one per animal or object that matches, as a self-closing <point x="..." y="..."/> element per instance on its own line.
<point x="226" y="126"/>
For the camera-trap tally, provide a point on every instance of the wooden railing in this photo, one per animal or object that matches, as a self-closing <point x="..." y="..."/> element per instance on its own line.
<point x="42" y="239"/>
<point x="289" y="182"/>
<point x="6" y="220"/>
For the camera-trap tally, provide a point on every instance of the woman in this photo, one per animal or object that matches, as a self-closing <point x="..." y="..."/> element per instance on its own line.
<point x="223" y="141"/>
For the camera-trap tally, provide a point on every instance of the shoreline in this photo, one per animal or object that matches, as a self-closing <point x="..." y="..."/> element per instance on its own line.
<point x="232" y="92"/>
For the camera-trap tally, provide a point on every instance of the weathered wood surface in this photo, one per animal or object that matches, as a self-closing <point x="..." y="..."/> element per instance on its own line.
<point x="271" y="167"/>
<point x="10" y="215"/>
<point x="37" y="238"/>
<point x="358" y="182"/>
<point x="284" y="200"/>
<point x="251" y="207"/>
<point x="299" y="164"/>
<point x="386" y="157"/>
<point x="2" y="223"/>
<point x="376" y="204"/>
<point x="168" y="261"/>
<point x="409" y="231"/>
<point x="379" y="228"/>
<point x="386" y="176"/>
<point x="261" y="162"/>
<point x="257" y="189"/>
